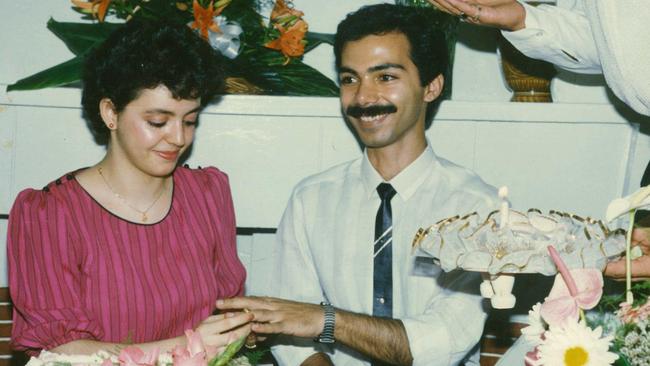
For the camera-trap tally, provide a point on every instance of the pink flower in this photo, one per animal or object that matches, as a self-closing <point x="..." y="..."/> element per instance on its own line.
<point x="195" y="353"/>
<point x="532" y="357"/>
<point x="134" y="356"/>
<point x="572" y="290"/>
<point x="561" y="304"/>
<point x="628" y="314"/>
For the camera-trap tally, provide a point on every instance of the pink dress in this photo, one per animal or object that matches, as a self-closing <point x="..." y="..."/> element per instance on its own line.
<point x="76" y="271"/>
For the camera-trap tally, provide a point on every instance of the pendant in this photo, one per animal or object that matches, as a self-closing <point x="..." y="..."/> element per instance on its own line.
<point x="144" y="217"/>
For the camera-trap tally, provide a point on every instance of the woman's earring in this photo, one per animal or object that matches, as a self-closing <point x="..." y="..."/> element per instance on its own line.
<point x="111" y="125"/>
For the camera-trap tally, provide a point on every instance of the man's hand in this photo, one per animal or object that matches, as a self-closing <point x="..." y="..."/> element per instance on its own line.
<point x="502" y="14"/>
<point x="277" y="316"/>
<point x="640" y="266"/>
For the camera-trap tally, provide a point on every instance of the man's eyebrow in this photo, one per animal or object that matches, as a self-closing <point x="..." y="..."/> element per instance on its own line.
<point x="371" y="69"/>
<point x="348" y="70"/>
<point x="385" y="66"/>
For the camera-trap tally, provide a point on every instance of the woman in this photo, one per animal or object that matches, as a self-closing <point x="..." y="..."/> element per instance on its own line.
<point x="132" y="250"/>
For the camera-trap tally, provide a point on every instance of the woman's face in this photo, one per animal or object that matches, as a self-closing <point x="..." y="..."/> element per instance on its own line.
<point x="153" y="130"/>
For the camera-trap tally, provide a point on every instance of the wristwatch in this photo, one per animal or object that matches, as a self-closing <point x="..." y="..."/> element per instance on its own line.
<point x="327" y="336"/>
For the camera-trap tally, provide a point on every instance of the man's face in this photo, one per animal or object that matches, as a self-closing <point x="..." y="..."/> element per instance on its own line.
<point x="381" y="95"/>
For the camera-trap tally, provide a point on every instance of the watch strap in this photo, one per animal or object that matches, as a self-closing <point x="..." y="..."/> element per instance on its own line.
<point x="327" y="336"/>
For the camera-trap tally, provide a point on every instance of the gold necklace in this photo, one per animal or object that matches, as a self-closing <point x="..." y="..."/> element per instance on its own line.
<point x="125" y="202"/>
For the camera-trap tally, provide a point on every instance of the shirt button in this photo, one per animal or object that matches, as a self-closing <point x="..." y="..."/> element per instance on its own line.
<point x="382" y="300"/>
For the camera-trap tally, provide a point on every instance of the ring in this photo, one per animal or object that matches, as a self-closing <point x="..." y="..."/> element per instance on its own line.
<point x="462" y="16"/>
<point x="251" y="341"/>
<point x="477" y="18"/>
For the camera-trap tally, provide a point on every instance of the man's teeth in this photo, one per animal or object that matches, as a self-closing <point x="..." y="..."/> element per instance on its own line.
<point x="372" y="118"/>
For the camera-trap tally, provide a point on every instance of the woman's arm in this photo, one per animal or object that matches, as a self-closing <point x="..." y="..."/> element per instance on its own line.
<point x="216" y="331"/>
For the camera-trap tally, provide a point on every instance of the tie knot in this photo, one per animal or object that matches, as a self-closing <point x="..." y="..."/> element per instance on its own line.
<point x="386" y="191"/>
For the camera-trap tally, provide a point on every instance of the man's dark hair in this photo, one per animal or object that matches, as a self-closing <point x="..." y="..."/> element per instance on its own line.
<point x="144" y="55"/>
<point x="428" y="49"/>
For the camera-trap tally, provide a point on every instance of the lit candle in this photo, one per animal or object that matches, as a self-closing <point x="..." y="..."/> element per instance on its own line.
<point x="503" y="195"/>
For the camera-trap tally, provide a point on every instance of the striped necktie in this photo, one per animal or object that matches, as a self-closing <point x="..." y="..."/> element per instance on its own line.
<point x="382" y="304"/>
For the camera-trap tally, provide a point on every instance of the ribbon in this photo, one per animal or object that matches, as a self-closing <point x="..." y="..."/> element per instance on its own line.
<point x="227" y="42"/>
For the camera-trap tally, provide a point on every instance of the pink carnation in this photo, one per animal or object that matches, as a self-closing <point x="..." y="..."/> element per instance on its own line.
<point x="628" y="314"/>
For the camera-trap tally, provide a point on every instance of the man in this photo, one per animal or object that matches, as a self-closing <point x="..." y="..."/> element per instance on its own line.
<point x="336" y="246"/>
<point x="594" y="36"/>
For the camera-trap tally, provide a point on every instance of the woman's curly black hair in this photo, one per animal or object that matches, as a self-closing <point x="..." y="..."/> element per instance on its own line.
<point x="144" y="55"/>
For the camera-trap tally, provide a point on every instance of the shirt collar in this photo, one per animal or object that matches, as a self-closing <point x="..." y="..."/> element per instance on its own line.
<point x="407" y="181"/>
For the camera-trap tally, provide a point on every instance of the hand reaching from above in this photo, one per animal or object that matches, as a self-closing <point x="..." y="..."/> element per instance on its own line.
<point x="503" y="14"/>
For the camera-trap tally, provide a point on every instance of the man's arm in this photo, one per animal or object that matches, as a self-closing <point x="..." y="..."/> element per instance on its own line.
<point x="449" y="327"/>
<point x="557" y="35"/>
<point x="379" y="338"/>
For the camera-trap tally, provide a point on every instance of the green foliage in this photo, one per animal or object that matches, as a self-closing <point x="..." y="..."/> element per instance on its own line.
<point x="254" y="357"/>
<point x="81" y="37"/>
<point x="62" y="74"/>
<point x="622" y="361"/>
<point x="641" y="291"/>
<point x="228" y="354"/>
<point x="267" y="69"/>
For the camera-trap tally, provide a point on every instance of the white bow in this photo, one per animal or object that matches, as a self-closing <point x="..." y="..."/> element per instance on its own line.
<point x="227" y="42"/>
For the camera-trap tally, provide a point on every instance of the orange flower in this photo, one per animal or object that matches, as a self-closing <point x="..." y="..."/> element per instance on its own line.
<point x="290" y="42"/>
<point x="281" y="10"/>
<point x="204" y="17"/>
<point x="97" y="8"/>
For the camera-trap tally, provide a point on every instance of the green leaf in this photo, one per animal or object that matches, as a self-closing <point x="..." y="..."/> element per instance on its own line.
<point x="228" y="354"/>
<point x="254" y="357"/>
<point x="314" y="39"/>
<point x="244" y="12"/>
<point x="320" y="37"/>
<point x="62" y="74"/>
<point x="621" y="361"/>
<point x="266" y="69"/>
<point x="80" y="37"/>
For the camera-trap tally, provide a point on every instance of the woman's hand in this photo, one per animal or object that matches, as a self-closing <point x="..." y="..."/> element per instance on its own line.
<point x="221" y="330"/>
<point x="503" y="14"/>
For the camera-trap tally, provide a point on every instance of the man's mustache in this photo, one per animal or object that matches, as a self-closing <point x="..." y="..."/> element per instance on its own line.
<point x="370" y="111"/>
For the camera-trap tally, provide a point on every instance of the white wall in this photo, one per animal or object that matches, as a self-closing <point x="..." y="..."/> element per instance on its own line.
<point x="573" y="155"/>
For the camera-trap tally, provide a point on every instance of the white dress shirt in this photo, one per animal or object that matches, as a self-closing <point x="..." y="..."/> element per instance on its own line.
<point x="594" y="36"/>
<point x="325" y="244"/>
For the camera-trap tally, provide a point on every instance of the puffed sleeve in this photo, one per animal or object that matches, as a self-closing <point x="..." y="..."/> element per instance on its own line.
<point x="45" y="276"/>
<point x="229" y="270"/>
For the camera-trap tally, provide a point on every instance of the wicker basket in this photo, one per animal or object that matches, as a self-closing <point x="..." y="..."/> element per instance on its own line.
<point x="236" y="85"/>
<point x="529" y="79"/>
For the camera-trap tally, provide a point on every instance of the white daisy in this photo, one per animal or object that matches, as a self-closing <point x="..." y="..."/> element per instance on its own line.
<point x="536" y="325"/>
<point x="575" y="344"/>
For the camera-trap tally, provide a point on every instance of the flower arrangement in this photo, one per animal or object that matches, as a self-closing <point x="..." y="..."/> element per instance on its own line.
<point x="261" y="58"/>
<point x="616" y="332"/>
<point x="194" y="353"/>
<point x="558" y="327"/>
